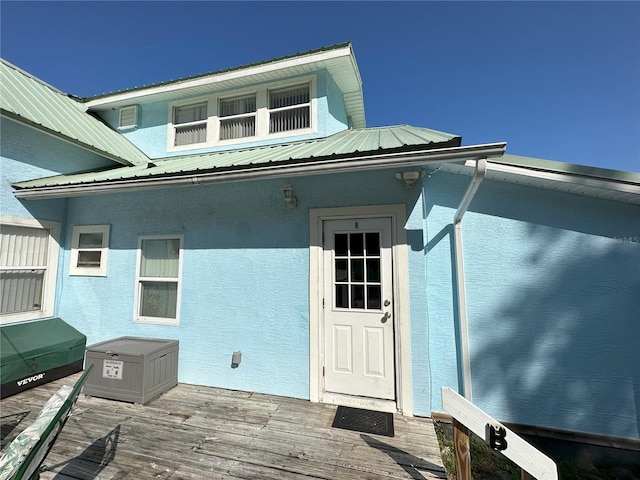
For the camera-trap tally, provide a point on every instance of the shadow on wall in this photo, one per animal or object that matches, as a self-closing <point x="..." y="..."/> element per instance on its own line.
<point x="563" y="345"/>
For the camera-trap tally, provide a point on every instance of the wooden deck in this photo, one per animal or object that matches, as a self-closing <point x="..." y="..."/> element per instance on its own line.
<point x="194" y="432"/>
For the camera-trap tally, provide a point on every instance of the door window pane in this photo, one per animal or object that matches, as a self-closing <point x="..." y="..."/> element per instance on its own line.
<point x="373" y="270"/>
<point x="341" y="244"/>
<point x="357" y="244"/>
<point x="357" y="296"/>
<point x="357" y="270"/>
<point x="374" y="299"/>
<point x="341" y="271"/>
<point x="373" y="244"/>
<point x="342" y="296"/>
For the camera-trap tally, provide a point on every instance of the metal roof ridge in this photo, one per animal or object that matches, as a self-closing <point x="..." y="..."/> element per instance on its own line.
<point x="216" y="72"/>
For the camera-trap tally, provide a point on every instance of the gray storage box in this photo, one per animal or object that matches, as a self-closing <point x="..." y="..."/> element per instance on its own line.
<point x="132" y="369"/>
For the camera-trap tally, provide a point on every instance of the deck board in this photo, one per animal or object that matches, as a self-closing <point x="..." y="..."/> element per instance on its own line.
<point x="194" y="432"/>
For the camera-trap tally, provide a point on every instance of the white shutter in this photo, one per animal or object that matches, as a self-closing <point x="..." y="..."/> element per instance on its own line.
<point x="23" y="264"/>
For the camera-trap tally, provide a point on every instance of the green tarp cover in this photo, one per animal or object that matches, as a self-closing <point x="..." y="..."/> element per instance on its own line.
<point x="38" y="346"/>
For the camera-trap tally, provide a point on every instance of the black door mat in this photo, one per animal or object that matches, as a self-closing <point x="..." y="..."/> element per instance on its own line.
<point x="365" y="421"/>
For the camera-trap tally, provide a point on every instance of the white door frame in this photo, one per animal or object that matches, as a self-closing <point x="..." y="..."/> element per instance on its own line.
<point x="404" y="396"/>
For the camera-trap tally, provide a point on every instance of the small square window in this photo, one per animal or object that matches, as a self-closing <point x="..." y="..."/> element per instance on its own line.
<point x="89" y="248"/>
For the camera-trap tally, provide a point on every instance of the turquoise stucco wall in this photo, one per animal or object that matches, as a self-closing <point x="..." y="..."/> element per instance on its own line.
<point x="151" y="135"/>
<point x="245" y="273"/>
<point x="27" y="154"/>
<point x="553" y="283"/>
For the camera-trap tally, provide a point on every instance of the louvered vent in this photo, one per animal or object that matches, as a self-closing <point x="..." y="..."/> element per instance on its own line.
<point x="128" y="117"/>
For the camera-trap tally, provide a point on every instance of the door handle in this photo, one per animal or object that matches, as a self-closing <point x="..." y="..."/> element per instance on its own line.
<point x="387" y="316"/>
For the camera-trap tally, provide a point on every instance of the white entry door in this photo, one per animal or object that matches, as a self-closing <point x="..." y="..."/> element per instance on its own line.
<point x="358" y="308"/>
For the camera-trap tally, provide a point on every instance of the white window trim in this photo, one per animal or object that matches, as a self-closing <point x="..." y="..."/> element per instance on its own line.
<point x="262" y="115"/>
<point x="100" y="271"/>
<point x="135" y="118"/>
<point x="137" y="318"/>
<point x="49" y="287"/>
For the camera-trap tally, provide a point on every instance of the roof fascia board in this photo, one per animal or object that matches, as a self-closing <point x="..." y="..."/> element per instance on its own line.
<point x="574" y="179"/>
<point x="321" y="167"/>
<point x="28" y="123"/>
<point x="224" y="76"/>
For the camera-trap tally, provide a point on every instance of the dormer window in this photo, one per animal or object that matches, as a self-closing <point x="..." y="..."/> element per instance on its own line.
<point x="190" y="123"/>
<point x="289" y="109"/>
<point x="237" y="117"/>
<point x="128" y="117"/>
<point x="276" y="110"/>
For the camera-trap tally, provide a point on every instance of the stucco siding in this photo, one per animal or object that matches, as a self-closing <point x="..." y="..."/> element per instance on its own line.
<point x="552" y="292"/>
<point x="245" y="274"/>
<point x="28" y="154"/>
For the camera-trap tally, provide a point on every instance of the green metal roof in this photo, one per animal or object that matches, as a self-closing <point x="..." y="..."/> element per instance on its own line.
<point x="403" y="138"/>
<point x="29" y="100"/>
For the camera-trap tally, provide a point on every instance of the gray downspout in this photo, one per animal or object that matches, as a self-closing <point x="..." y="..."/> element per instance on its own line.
<point x="481" y="168"/>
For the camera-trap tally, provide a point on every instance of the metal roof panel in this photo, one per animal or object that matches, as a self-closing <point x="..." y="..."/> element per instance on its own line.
<point x="29" y="100"/>
<point x="341" y="144"/>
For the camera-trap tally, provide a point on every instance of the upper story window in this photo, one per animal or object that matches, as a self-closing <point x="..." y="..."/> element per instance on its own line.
<point x="190" y="124"/>
<point x="276" y="110"/>
<point x="289" y="109"/>
<point x="237" y="117"/>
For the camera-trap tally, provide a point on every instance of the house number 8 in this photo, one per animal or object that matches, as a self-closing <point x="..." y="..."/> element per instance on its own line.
<point x="356" y="225"/>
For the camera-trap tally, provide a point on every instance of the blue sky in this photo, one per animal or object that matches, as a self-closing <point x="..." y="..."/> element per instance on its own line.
<point x="555" y="80"/>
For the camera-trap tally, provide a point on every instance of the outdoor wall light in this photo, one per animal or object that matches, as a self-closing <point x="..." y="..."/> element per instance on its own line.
<point x="236" y="358"/>
<point x="410" y="177"/>
<point x="289" y="199"/>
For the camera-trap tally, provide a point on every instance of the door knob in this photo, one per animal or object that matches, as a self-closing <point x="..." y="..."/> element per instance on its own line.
<point x="387" y="316"/>
<point x="387" y="303"/>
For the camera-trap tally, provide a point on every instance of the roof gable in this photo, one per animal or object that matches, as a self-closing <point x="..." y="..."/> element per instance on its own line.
<point x="28" y="100"/>
<point x="338" y="60"/>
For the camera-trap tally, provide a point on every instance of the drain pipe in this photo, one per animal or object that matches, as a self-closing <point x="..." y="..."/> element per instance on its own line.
<point x="481" y="169"/>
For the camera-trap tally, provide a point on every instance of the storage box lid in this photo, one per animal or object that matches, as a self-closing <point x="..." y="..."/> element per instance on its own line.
<point x="33" y="339"/>
<point x="137" y="346"/>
